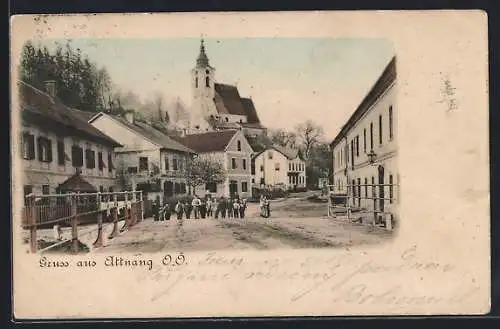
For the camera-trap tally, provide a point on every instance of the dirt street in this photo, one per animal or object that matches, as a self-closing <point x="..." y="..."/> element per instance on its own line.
<point x="289" y="227"/>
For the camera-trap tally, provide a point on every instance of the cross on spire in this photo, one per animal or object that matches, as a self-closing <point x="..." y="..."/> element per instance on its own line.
<point x="202" y="60"/>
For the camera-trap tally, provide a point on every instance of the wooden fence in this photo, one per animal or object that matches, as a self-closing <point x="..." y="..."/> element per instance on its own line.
<point x="380" y="206"/>
<point x="59" y="210"/>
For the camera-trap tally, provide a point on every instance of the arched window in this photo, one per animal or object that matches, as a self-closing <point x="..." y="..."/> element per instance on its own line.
<point x="207" y="82"/>
<point x="196" y="82"/>
<point x="239" y="146"/>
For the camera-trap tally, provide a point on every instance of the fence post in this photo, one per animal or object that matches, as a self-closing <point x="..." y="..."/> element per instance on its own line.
<point x="125" y="214"/>
<point x="74" y="225"/>
<point x="133" y="209"/>
<point x="142" y="205"/>
<point x="98" y="241"/>
<point x="115" y="218"/>
<point x="31" y="214"/>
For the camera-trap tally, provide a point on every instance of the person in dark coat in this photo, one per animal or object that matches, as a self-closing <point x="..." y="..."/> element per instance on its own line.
<point x="167" y="211"/>
<point x="243" y="206"/>
<point x="179" y="209"/>
<point x="203" y="208"/>
<point x="221" y="208"/>
<point x="187" y="209"/>
<point x="156" y="209"/>
<point x="229" y="207"/>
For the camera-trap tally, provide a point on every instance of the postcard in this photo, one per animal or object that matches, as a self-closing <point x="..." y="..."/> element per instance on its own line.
<point x="187" y="165"/>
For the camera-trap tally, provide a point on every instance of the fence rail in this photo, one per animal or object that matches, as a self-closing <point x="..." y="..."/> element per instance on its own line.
<point x="373" y="205"/>
<point x="42" y="211"/>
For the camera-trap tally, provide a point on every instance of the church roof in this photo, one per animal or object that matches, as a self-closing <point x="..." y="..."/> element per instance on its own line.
<point x="250" y="110"/>
<point x="228" y="101"/>
<point x="214" y="141"/>
<point x="202" y="60"/>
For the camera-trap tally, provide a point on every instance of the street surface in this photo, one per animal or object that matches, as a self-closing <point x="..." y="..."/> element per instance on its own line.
<point x="295" y="223"/>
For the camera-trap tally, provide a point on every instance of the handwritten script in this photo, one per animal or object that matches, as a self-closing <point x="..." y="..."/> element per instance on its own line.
<point x="346" y="280"/>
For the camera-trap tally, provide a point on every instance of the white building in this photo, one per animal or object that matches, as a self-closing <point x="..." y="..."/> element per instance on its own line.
<point x="279" y="167"/>
<point x="61" y="152"/>
<point x="217" y="106"/>
<point x="232" y="150"/>
<point x="365" y="150"/>
<point x="148" y="159"/>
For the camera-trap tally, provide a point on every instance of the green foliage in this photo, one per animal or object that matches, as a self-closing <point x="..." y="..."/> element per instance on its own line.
<point x="79" y="82"/>
<point x="201" y="170"/>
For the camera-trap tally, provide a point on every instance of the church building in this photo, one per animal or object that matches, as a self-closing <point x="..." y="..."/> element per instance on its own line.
<point x="216" y="106"/>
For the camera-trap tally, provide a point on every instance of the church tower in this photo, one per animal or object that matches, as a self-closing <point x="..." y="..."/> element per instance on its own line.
<point x="203" y="90"/>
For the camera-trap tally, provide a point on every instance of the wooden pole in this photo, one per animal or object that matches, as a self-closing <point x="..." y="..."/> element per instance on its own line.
<point x="31" y="214"/>
<point x="142" y="205"/>
<point x="98" y="241"/>
<point x="74" y="225"/>
<point x="115" y="218"/>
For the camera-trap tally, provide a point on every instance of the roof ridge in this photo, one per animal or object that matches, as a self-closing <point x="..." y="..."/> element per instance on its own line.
<point x="29" y="85"/>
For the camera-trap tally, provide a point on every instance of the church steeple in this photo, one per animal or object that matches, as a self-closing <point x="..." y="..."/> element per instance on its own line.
<point x="202" y="60"/>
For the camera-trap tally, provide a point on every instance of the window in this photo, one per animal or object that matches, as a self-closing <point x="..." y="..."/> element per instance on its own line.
<point x="175" y="164"/>
<point x="60" y="153"/>
<point x="239" y="146"/>
<point x="77" y="156"/>
<point x="290" y="166"/>
<point x="196" y="82"/>
<point x="277" y="166"/>
<point x="380" y="129"/>
<point x="253" y="180"/>
<point x="227" y="119"/>
<point x="28" y="141"/>
<point x="270" y="155"/>
<point x="347" y="154"/>
<point x="111" y="190"/>
<point x="357" y="145"/>
<point x="262" y="181"/>
<point x="143" y="163"/>
<point x="352" y="152"/>
<point x="28" y="189"/>
<point x="101" y="188"/>
<point x="373" y="188"/>
<point x="90" y="158"/>
<point x="366" y="187"/>
<point x="244" y="164"/>
<point x="252" y="167"/>
<point x="391" y="132"/>
<point x="183" y="188"/>
<point x="167" y="164"/>
<point x="45" y="189"/>
<point x="233" y="163"/>
<point x="359" y="191"/>
<point x="132" y="170"/>
<point x="207" y="71"/>
<point x="371" y="135"/>
<point x="364" y="140"/>
<point x="100" y="162"/>
<point x="261" y="167"/>
<point x="44" y="149"/>
<point x="207" y="82"/>
<point x="391" y="189"/>
<point x="353" y="189"/>
<point x="110" y="162"/>
<point x="244" y="187"/>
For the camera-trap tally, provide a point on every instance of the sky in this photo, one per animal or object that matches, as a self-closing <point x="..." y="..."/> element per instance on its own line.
<point x="290" y="80"/>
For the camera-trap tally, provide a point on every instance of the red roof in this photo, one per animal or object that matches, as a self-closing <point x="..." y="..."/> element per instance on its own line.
<point x="215" y="141"/>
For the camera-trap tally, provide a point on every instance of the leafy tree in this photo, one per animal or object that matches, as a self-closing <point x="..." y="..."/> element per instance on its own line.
<point x="284" y="138"/>
<point x="309" y="135"/>
<point x="201" y="170"/>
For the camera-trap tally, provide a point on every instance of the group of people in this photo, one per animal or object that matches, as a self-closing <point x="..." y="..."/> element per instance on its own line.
<point x="200" y="208"/>
<point x="265" y="209"/>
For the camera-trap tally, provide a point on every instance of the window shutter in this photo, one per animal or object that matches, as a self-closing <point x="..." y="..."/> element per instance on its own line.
<point x="31" y="143"/>
<point x="40" y="148"/>
<point x="49" y="150"/>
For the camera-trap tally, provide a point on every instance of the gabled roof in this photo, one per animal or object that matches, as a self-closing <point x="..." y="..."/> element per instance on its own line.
<point x="384" y="81"/>
<point x="214" y="141"/>
<point x="39" y="108"/>
<point x="250" y="111"/>
<point x="151" y="133"/>
<point x="76" y="183"/>
<point x="227" y="100"/>
<point x="290" y="154"/>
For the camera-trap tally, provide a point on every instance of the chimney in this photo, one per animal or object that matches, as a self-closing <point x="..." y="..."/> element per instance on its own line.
<point x="50" y="87"/>
<point x="129" y="116"/>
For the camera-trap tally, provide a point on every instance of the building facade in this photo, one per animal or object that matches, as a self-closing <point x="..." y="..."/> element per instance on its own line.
<point x="57" y="145"/>
<point x="148" y="159"/>
<point x="217" y="106"/>
<point x="365" y="150"/>
<point x="231" y="149"/>
<point x="278" y="167"/>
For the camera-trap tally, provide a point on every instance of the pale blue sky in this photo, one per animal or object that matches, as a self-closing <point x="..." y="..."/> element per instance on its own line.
<point x="290" y="80"/>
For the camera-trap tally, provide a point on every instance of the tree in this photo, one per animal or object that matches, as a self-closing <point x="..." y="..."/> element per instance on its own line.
<point x="309" y="134"/>
<point x="284" y="138"/>
<point x="201" y="170"/>
<point x="319" y="164"/>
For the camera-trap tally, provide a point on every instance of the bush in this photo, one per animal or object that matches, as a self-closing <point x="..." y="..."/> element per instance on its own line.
<point x="270" y="193"/>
